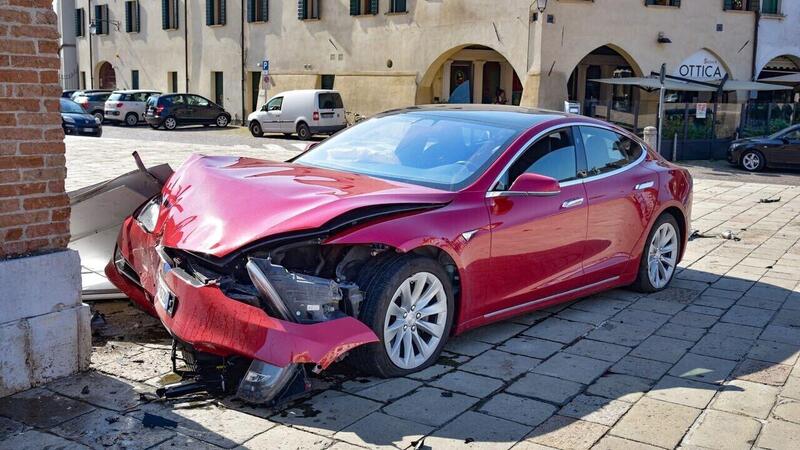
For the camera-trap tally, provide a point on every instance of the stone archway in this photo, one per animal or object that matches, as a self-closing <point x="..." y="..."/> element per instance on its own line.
<point x="107" y="77"/>
<point x="780" y="66"/>
<point x="469" y="74"/>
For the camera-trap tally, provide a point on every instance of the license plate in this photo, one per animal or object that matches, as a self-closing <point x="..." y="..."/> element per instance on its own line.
<point x="88" y="130"/>
<point x="165" y="297"/>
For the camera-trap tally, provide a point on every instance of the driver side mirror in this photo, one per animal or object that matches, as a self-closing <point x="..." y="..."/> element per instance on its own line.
<point x="264" y="107"/>
<point x="534" y="184"/>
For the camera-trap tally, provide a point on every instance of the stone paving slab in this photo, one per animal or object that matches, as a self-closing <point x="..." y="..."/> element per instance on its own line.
<point x="711" y="362"/>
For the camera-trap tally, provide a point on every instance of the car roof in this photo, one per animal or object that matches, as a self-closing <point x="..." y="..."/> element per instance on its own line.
<point x="306" y="91"/>
<point x="502" y="115"/>
<point x="135" y="91"/>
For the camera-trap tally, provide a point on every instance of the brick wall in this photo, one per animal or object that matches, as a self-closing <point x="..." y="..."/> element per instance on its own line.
<point x="34" y="209"/>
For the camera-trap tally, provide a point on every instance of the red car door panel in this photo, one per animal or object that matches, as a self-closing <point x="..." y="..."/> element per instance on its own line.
<point x="621" y="198"/>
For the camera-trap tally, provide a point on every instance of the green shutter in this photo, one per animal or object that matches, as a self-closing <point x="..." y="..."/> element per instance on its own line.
<point x="373" y="7"/>
<point x="209" y="12"/>
<point x="301" y="9"/>
<point x="251" y="11"/>
<point x="355" y="7"/>
<point x="649" y="2"/>
<point x="755" y="5"/>
<point x="727" y="5"/>
<point x="128" y="17"/>
<point x="137" y="24"/>
<point x="78" y="22"/>
<point x="98" y="12"/>
<point x="177" y="14"/>
<point x="264" y="10"/>
<point x="398" y="5"/>
<point x="222" y="12"/>
<point x="165" y="14"/>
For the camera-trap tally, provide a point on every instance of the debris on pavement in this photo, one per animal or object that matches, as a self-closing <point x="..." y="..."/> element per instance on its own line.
<point x="769" y="200"/>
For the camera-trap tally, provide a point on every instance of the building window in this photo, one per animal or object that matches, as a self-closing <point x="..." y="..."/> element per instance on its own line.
<point x="172" y="81"/>
<point x="675" y="3"/>
<point x="132" y="16"/>
<point x="257" y="10"/>
<point x="217" y="83"/>
<point x="134" y="79"/>
<point x="308" y="9"/>
<point x="326" y="81"/>
<point x="363" y="7"/>
<point x="740" y="5"/>
<point x="80" y="22"/>
<point x="82" y="83"/>
<point x="101" y="19"/>
<point x="397" y="6"/>
<point x="169" y="14"/>
<point x="215" y="12"/>
<point x="770" y="6"/>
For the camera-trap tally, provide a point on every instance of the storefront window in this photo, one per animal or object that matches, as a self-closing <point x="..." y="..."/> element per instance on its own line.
<point x="623" y="95"/>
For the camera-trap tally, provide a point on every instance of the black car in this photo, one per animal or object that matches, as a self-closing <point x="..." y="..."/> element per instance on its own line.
<point x="74" y="120"/>
<point x="779" y="150"/>
<point x="173" y="110"/>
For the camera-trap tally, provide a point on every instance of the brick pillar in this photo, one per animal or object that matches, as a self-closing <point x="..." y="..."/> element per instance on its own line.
<point x="43" y="325"/>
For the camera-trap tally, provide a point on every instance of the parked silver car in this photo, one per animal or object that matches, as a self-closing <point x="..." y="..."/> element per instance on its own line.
<point x="93" y="102"/>
<point x="127" y="106"/>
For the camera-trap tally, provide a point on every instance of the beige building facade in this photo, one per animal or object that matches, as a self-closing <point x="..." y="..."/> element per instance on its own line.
<point x="384" y="54"/>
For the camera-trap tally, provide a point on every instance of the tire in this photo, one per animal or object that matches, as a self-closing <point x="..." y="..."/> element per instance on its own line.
<point x="255" y="129"/>
<point x="664" y="228"/>
<point x="753" y="161"/>
<point x="222" y="121"/>
<point x="303" y="132"/>
<point x="131" y="119"/>
<point x="382" y="286"/>
<point x="170" y="123"/>
<point x="99" y="115"/>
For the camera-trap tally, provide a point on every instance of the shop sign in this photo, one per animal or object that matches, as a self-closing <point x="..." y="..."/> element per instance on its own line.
<point x="701" y="66"/>
<point x="700" y="110"/>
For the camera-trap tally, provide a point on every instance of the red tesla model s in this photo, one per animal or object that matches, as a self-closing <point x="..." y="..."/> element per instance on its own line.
<point x="384" y="240"/>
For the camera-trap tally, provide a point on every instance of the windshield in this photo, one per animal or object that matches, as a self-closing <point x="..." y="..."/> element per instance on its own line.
<point x="780" y="133"/>
<point x="68" y="106"/>
<point x="433" y="150"/>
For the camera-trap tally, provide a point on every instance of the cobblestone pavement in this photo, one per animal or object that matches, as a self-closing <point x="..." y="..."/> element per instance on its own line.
<point x="724" y="171"/>
<point x="711" y="362"/>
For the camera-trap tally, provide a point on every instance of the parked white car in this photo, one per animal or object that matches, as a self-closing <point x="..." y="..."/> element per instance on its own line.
<point x="127" y="106"/>
<point x="305" y="112"/>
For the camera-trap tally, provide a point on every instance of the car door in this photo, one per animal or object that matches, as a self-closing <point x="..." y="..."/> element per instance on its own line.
<point x="197" y="109"/>
<point x="621" y="194"/>
<point x="331" y="110"/>
<point x="179" y="108"/>
<point x="537" y="241"/>
<point x="787" y="154"/>
<point x="272" y="118"/>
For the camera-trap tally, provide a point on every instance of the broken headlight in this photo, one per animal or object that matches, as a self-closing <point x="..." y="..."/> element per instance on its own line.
<point x="148" y="215"/>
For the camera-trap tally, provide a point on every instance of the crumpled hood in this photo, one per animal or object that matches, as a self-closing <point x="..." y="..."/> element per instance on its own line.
<point x="215" y="205"/>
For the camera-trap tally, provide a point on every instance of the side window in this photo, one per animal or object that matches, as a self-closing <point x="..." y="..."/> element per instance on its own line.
<point x="176" y="100"/>
<point x="553" y="155"/>
<point x="275" y="104"/>
<point x="197" y="101"/>
<point x="793" y="135"/>
<point x="607" y="151"/>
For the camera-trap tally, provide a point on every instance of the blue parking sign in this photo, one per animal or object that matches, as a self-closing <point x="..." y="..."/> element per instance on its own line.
<point x="265" y="65"/>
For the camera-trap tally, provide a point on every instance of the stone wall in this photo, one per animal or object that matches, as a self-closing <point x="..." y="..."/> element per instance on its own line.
<point x="44" y="327"/>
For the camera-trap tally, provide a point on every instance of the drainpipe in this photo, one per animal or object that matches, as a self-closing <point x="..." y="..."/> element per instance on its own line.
<point x="755" y="44"/>
<point x="186" y="43"/>
<point x="243" y="64"/>
<point x="89" y="36"/>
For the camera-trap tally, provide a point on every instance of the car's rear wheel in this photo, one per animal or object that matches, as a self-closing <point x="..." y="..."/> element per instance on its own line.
<point x="99" y="115"/>
<point x="170" y="123"/>
<point x="222" y="121"/>
<point x="660" y="256"/>
<point x="131" y="119"/>
<point x="409" y="305"/>
<point x="303" y="132"/>
<point x="753" y="161"/>
<point x="255" y="129"/>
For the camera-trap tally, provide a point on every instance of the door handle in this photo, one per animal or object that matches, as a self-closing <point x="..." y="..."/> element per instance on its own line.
<point x="642" y="186"/>
<point x="572" y="203"/>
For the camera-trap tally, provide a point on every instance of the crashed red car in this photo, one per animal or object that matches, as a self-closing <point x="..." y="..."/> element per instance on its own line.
<point x="384" y="240"/>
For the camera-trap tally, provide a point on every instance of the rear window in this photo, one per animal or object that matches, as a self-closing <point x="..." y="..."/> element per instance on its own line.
<point x="116" y="97"/>
<point x="98" y="97"/>
<point x="152" y="100"/>
<point x="330" y="100"/>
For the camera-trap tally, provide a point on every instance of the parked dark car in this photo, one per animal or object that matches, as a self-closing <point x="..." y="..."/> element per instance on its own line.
<point x="68" y="93"/>
<point x="93" y="103"/>
<point x="174" y="110"/>
<point x="74" y="120"/>
<point x="778" y="150"/>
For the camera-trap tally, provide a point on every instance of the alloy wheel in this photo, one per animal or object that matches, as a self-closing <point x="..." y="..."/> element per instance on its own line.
<point x="222" y="121"/>
<point x="415" y="320"/>
<point x="751" y="161"/>
<point x="170" y="123"/>
<point x="131" y="119"/>
<point x="663" y="255"/>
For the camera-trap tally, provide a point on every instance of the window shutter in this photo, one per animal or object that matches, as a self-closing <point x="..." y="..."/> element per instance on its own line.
<point x="137" y="24"/>
<point x="264" y="10"/>
<point x="128" y="17"/>
<point x="649" y="2"/>
<point x="755" y="5"/>
<point x="98" y="12"/>
<point x="373" y="7"/>
<point x="301" y="9"/>
<point x="177" y="14"/>
<point x="676" y="3"/>
<point x="165" y="14"/>
<point x="251" y="11"/>
<point x="727" y="5"/>
<point x="209" y="12"/>
<point x="355" y="7"/>
<point x="78" y="22"/>
<point x="222" y="12"/>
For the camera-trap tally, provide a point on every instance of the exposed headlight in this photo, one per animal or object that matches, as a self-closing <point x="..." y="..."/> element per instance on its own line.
<point x="148" y="216"/>
<point x="68" y="119"/>
<point x="97" y="120"/>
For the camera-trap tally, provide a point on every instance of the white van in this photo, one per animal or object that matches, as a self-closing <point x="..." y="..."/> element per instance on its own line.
<point x="305" y="112"/>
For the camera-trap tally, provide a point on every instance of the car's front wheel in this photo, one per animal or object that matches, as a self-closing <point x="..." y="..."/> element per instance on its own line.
<point x="409" y="305"/>
<point x="753" y="161"/>
<point x="255" y="129"/>
<point x="660" y="256"/>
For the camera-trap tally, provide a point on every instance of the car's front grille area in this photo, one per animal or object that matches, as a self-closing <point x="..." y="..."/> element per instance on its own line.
<point x="125" y="268"/>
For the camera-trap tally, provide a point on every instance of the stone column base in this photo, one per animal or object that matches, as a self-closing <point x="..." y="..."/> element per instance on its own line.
<point x="44" y="328"/>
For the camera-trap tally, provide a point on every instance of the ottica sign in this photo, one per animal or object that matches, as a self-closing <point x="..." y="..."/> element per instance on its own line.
<point x="701" y="66"/>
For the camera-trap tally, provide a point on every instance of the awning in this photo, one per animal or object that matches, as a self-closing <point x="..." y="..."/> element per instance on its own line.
<point x="652" y="83"/>
<point x="791" y="78"/>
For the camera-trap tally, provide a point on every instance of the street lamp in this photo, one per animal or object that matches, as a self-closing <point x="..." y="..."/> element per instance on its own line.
<point x="93" y="26"/>
<point x="541" y="5"/>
